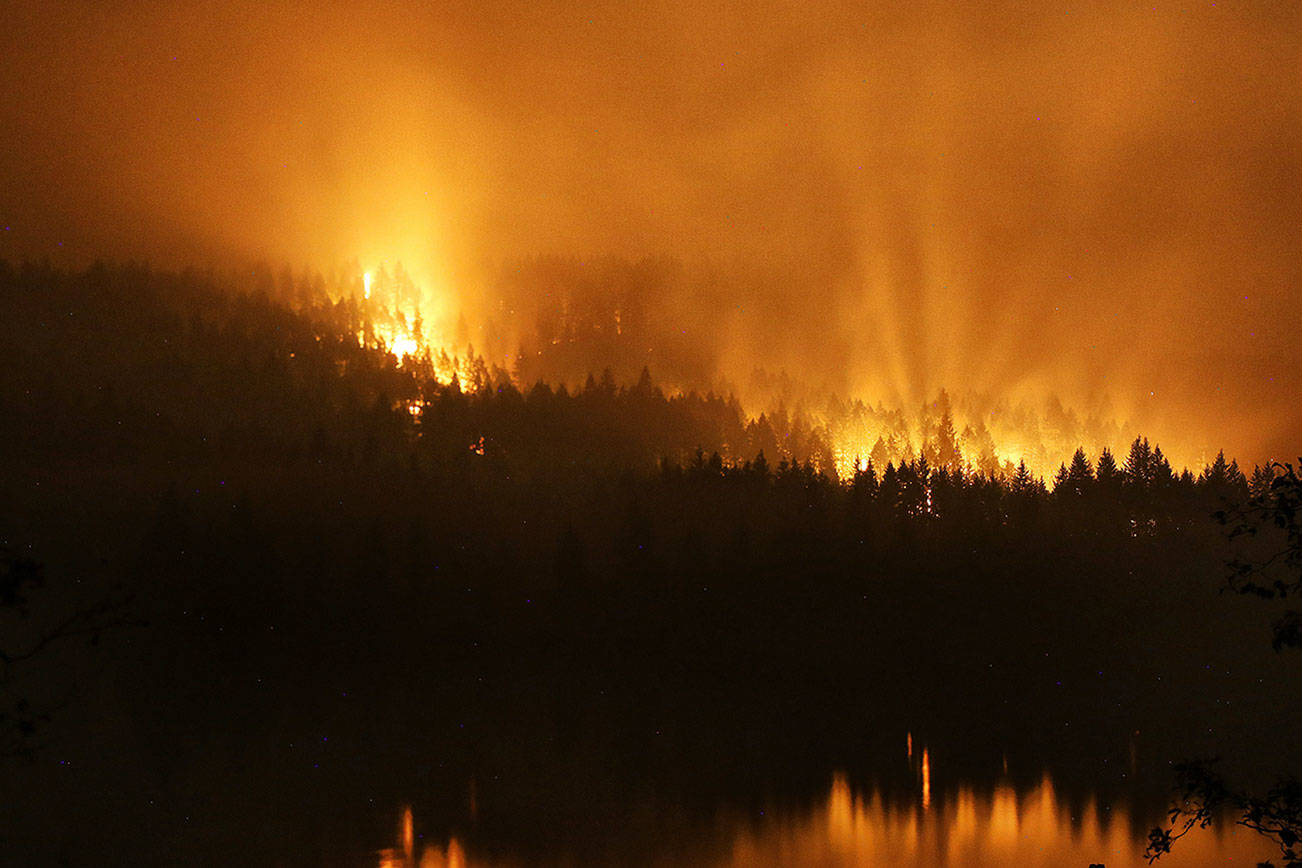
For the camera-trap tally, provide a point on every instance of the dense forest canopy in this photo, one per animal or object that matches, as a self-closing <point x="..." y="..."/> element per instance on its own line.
<point x="576" y="324"/>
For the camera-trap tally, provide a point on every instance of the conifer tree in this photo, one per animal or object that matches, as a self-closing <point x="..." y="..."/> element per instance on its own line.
<point x="1138" y="470"/>
<point x="1023" y="482"/>
<point x="1080" y="471"/>
<point x="947" y="454"/>
<point x="1107" y="473"/>
<point x="1160" y="469"/>
<point x="1216" y="475"/>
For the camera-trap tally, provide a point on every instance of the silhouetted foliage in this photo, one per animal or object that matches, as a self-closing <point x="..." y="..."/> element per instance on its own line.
<point x="1271" y="571"/>
<point x="1273" y="510"/>
<point x="26" y="639"/>
<point x="1204" y="797"/>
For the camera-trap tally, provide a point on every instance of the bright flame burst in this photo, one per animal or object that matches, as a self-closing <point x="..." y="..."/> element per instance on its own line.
<point x="395" y="320"/>
<point x="403" y="345"/>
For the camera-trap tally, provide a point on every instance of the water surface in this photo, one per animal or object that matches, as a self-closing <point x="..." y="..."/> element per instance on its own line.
<point x="963" y="828"/>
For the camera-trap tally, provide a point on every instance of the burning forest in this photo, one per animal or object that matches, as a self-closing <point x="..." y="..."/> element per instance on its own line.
<point x="747" y="434"/>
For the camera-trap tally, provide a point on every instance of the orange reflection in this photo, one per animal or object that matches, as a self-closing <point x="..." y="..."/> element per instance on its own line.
<point x="963" y="828"/>
<point x="926" y="779"/>
<point x="431" y="856"/>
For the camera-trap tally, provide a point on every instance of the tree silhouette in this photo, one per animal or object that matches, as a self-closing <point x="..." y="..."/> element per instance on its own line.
<point x="1204" y="794"/>
<point x="1107" y="473"/>
<point x="1276" y="575"/>
<point x="25" y="642"/>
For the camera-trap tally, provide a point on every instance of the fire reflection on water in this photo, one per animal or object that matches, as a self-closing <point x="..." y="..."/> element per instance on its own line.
<point x="964" y="828"/>
<point x="974" y="830"/>
<point x="431" y="855"/>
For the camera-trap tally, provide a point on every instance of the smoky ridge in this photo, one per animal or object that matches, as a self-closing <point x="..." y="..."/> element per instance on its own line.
<point x="580" y="324"/>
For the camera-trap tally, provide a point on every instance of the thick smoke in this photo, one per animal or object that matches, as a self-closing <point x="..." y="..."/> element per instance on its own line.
<point x="1095" y="201"/>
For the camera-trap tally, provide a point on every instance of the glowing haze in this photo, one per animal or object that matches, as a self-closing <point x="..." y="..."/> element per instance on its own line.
<point x="1097" y="201"/>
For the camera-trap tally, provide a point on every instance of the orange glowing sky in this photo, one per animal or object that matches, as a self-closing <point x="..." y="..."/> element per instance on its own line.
<point x="1083" y="199"/>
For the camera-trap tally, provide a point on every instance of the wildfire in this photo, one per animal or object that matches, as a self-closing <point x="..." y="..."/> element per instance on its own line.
<point x="985" y="435"/>
<point x="392" y="306"/>
<point x="404" y="345"/>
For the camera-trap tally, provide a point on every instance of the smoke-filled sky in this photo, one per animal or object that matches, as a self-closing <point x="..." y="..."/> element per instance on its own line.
<point x="1083" y="199"/>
